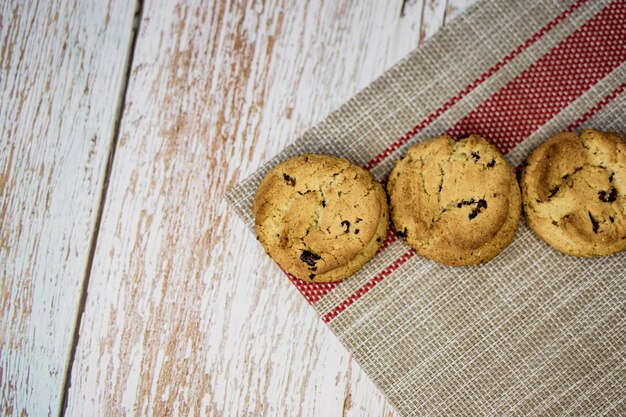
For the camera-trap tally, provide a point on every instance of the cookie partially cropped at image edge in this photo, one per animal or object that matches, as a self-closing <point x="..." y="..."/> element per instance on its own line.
<point x="574" y="192"/>
<point x="321" y="218"/>
<point x="456" y="202"/>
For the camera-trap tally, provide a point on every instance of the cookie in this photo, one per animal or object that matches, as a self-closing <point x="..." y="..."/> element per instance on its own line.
<point x="456" y="202"/>
<point x="321" y="218"/>
<point x="574" y="192"/>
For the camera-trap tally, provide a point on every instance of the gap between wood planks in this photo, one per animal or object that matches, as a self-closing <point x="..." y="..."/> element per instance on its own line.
<point x="119" y="112"/>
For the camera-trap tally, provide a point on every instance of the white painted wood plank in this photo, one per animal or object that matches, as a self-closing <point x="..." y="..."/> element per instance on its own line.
<point x="455" y="8"/>
<point x="407" y="29"/>
<point x="432" y="18"/>
<point x="61" y="72"/>
<point x="185" y="314"/>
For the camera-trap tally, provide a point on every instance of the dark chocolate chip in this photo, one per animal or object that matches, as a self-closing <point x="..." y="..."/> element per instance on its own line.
<point x="466" y="203"/>
<point x="608" y="196"/>
<point x="309" y="257"/>
<point x="482" y="204"/>
<point x="594" y="223"/>
<point x="378" y="239"/>
<point x="611" y="177"/>
<point x="356" y="232"/>
<point x="312" y="277"/>
<point x="553" y="191"/>
<point x="491" y="164"/>
<point x="289" y="180"/>
<point x="346" y="224"/>
<point x="611" y="219"/>
<point x="554" y="222"/>
<point x="475" y="156"/>
<point x="402" y="234"/>
<point x="359" y="220"/>
<point x="323" y="203"/>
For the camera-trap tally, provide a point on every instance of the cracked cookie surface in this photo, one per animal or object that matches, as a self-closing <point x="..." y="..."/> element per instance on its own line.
<point x="456" y="202"/>
<point x="574" y="192"/>
<point x="319" y="217"/>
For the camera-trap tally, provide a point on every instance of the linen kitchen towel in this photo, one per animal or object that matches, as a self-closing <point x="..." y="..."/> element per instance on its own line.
<point x="533" y="332"/>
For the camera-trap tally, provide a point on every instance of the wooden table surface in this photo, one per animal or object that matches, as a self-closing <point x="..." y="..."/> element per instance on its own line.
<point x="128" y="287"/>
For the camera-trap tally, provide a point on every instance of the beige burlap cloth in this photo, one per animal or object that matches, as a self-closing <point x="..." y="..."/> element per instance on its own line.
<point x="533" y="332"/>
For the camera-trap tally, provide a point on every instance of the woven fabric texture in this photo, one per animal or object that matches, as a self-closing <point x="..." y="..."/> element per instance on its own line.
<point x="533" y="332"/>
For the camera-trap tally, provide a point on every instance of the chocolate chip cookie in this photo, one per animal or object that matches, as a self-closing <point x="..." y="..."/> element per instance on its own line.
<point x="319" y="217"/>
<point x="574" y="192"/>
<point x="456" y="202"/>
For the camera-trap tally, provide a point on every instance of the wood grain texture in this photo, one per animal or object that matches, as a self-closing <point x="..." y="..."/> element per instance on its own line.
<point x="61" y="73"/>
<point x="433" y="16"/>
<point x="185" y="314"/>
<point x="454" y="8"/>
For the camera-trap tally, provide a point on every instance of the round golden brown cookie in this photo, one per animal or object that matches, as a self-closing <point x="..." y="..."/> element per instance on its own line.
<point x="319" y="217"/>
<point x="574" y="192"/>
<point x="456" y="202"/>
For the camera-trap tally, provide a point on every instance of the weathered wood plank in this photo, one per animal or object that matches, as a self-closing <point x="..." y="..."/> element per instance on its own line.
<point x="455" y="7"/>
<point x="407" y="29"/>
<point x="185" y="313"/>
<point x="62" y="68"/>
<point x="432" y="18"/>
